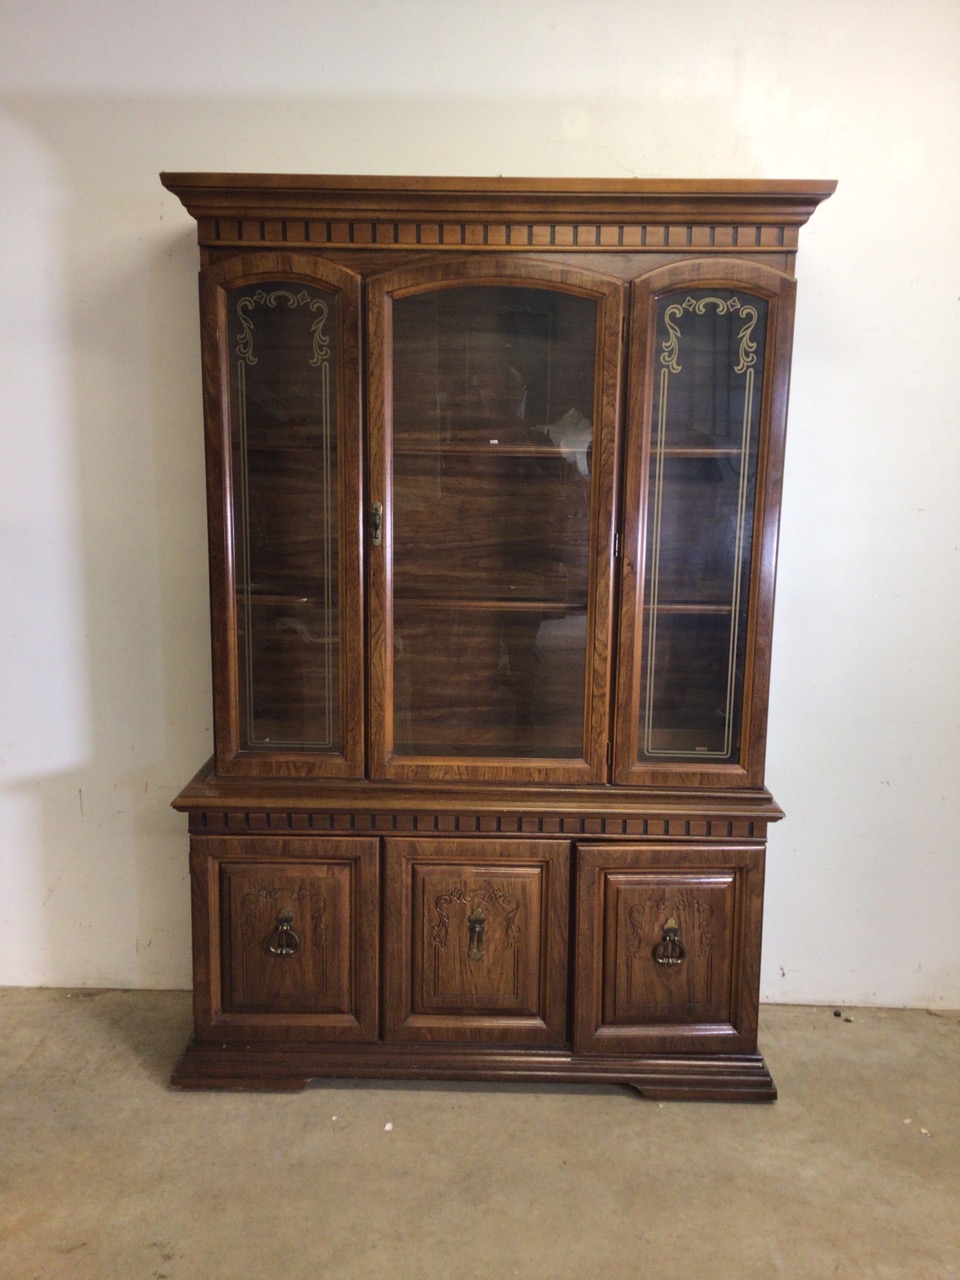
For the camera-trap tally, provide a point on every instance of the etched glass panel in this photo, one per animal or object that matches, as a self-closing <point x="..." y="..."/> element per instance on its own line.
<point x="708" y="370"/>
<point x="284" y="444"/>
<point x="492" y="435"/>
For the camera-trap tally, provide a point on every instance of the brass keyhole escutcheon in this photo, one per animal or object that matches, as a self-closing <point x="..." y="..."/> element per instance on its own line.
<point x="476" y="923"/>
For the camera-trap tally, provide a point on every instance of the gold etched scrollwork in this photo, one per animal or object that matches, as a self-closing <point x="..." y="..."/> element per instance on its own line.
<point x="670" y="355"/>
<point x="245" y="337"/>
<point x="671" y="429"/>
<point x="311" y="404"/>
<point x="320" y="337"/>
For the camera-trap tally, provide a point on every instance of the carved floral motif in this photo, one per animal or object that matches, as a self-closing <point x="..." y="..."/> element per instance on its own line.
<point x="279" y="897"/>
<point x="472" y="898"/>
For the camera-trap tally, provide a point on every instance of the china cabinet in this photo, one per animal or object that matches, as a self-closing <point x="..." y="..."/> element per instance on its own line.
<point x="494" y="470"/>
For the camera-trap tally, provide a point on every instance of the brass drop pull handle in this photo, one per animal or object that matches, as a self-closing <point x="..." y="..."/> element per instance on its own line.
<point x="283" y="941"/>
<point x="376" y="523"/>
<point x="476" y="923"/>
<point x="670" y="950"/>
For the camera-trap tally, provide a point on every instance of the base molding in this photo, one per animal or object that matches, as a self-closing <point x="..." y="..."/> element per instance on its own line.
<point x="288" y="1067"/>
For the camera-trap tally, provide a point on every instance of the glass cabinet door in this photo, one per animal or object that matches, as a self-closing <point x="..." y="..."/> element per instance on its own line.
<point x="280" y="344"/>
<point x="492" y="474"/>
<point x="706" y="426"/>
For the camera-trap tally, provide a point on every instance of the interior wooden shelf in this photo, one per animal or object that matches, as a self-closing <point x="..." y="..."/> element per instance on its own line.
<point x="283" y="596"/>
<point x="678" y="451"/>
<point x="484" y="449"/>
<point x="287" y="446"/>
<point x="718" y="610"/>
<point x="451" y="604"/>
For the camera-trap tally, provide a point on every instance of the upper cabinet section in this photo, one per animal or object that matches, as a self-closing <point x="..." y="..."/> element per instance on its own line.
<point x="494" y="474"/>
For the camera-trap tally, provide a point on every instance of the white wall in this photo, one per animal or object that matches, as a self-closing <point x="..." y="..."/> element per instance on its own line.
<point x="103" y="666"/>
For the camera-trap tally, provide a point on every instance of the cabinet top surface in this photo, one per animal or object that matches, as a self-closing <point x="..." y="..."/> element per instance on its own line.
<point x="378" y="182"/>
<point x="206" y="193"/>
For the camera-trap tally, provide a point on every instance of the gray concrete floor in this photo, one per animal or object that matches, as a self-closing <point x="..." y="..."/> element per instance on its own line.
<point x="106" y="1172"/>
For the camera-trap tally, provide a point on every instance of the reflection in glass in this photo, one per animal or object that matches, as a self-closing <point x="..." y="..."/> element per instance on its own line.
<point x="702" y="491"/>
<point x="492" y="433"/>
<point x="284" y="446"/>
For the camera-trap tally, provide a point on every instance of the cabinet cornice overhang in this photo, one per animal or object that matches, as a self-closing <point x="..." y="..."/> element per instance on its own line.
<point x="503" y="213"/>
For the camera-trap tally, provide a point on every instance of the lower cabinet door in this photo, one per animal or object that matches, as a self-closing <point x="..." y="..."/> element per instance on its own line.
<point x="668" y="949"/>
<point x="288" y="936"/>
<point x="476" y="941"/>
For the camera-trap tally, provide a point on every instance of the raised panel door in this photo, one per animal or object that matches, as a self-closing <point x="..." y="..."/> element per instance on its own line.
<point x="667" y="948"/>
<point x="293" y="936"/>
<point x="476" y="940"/>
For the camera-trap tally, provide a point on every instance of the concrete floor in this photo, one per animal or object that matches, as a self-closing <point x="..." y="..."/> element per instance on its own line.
<point x="106" y="1172"/>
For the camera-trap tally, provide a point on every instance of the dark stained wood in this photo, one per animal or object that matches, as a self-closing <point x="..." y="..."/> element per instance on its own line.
<point x="621" y="264"/>
<point x="214" y="192"/>
<point x="481" y="215"/>
<point x="628" y="898"/>
<point x="676" y="1077"/>
<point x="476" y="941"/>
<point x="481" y="878"/>
<point x="316" y="902"/>
<point x="440" y="807"/>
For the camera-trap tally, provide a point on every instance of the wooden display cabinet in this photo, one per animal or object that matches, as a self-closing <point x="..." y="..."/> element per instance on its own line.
<point x="493" y="486"/>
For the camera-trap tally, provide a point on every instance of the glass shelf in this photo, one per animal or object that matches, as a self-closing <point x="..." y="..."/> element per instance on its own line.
<point x="495" y="606"/>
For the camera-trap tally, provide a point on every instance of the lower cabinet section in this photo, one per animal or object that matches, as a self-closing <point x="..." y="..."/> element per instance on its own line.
<point x="484" y="958"/>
